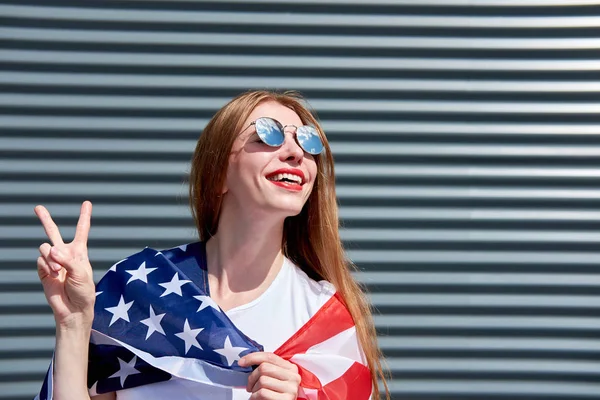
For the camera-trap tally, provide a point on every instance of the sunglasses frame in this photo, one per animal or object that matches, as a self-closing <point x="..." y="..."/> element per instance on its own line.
<point x="282" y="131"/>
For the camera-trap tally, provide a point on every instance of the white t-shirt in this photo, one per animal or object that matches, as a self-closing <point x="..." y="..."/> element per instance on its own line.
<point x="286" y="305"/>
<point x="271" y="319"/>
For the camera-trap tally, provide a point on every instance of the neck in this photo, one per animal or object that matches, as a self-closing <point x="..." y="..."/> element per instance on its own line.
<point x="243" y="257"/>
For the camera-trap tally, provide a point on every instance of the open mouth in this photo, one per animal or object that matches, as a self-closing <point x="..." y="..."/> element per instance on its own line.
<point x="287" y="180"/>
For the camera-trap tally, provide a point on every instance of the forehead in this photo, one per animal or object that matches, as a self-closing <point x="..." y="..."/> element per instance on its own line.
<point x="277" y="111"/>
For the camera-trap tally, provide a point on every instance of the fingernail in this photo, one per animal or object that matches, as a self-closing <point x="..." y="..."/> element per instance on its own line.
<point x="55" y="267"/>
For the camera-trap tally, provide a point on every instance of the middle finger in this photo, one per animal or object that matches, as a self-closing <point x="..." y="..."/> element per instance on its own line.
<point x="271" y="370"/>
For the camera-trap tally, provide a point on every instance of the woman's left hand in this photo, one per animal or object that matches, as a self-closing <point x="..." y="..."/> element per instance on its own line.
<point x="274" y="378"/>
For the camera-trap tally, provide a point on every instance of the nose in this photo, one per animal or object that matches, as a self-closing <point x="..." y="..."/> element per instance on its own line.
<point x="290" y="149"/>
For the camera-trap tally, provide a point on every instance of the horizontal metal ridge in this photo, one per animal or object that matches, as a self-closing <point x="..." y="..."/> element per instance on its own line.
<point x="491" y="343"/>
<point x="26" y="343"/>
<point x="547" y="258"/>
<point x="296" y="62"/>
<point x="179" y="211"/>
<point x="497" y="387"/>
<point x="294" y="40"/>
<point x="478" y="366"/>
<point x="348" y="128"/>
<point x="185" y="148"/>
<point x="356" y="192"/>
<point x="298" y="19"/>
<point x="44" y="79"/>
<point x="441" y="301"/>
<point x="22" y="389"/>
<point x="210" y="103"/>
<point x="504" y="323"/>
<point x="361" y="235"/>
<point x="24" y="366"/>
<point x="449" y="3"/>
<point x="177" y="169"/>
<point x="175" y="190"/>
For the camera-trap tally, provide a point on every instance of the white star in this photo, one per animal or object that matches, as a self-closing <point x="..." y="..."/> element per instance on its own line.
<point x="158" y="254"/>
<point x="114" y="267"/>
<point x="153" y="323"/>
<point x="183" y="247"/>
<point x="206" y="301"/>
<point x="125" y="369"/>
<point x="231" y="353"/>
<point x="189" y="336"/>
<point x="174" y="286"/>
<point x="119" y="311"/>
<point x="140" y="274"/>
<point x="99" y="293"/>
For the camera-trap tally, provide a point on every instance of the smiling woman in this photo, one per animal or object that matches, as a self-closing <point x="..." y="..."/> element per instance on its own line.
<point x="263" y="306"/>
<point x="253" y="165"/>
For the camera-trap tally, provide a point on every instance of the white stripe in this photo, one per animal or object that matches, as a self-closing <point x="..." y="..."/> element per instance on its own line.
<point x="344" y="344"/>
<point x="331" y="358"/>
<point x="326" y="367"/>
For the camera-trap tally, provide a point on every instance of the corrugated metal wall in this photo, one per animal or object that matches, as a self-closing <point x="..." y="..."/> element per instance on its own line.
<point x="467" y="141"/>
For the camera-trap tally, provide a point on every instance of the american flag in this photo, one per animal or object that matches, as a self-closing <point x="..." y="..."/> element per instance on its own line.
<point x="155" y="321"/>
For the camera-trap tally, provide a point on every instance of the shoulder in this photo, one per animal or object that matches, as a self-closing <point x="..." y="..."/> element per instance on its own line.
<point x="302" y="287"/>
<point x="173" y="254"/>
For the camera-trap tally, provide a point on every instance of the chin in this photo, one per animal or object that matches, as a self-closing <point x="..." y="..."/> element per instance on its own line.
<point x="289" y="210"/>
<point x="292" y="212"/>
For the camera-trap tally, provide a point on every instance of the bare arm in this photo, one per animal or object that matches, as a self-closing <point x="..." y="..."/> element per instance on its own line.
<point x="66" y="275"/>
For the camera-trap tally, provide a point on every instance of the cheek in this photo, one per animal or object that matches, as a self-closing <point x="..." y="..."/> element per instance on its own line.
<point x="311" y="165"/>
<point x="233" y="173"/>
<point x="244" y="170"/>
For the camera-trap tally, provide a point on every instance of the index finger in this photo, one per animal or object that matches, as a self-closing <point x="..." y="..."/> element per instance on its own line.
<point x="83" y="225"/>
<point x="49" y="226"/>
<point x="261" y="357"/>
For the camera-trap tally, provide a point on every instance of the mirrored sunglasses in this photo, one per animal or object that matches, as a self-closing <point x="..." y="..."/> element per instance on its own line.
<point x="270" y="131"/>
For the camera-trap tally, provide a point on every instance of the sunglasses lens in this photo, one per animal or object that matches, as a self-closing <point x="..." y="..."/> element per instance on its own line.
<point x="309" y="139"/>
<point x="269" y="131"/>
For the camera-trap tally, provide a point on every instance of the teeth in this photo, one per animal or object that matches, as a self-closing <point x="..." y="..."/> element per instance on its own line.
<point x="290" y="177"/>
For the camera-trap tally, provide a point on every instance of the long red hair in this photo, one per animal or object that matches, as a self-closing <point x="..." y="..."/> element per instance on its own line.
<point x="311" y="239"/>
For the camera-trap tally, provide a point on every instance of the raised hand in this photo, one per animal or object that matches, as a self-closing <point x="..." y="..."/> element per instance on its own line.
<point x="65" y="271"/>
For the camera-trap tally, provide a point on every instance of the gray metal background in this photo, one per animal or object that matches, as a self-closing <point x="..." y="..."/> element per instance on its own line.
<point x="466" y="136"/>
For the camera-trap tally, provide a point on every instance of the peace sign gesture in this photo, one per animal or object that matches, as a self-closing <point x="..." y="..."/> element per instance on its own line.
<point x="65" y="271"/>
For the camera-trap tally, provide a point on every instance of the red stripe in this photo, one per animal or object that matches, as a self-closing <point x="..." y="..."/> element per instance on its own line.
<point x="331" y="319"/>
<point x="308" y="379"/>
<point x="354" y="384"/>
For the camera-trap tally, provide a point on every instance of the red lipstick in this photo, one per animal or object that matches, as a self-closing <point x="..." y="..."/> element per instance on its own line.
<point x="289" y="183"/>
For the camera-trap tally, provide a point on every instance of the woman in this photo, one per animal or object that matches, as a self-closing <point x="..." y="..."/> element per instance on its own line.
<point x="263" y="198"/>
